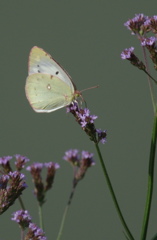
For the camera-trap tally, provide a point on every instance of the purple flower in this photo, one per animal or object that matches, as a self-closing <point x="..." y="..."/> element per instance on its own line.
<point x="35" y="232"/>
<point x="5" y="163"/>
<point x="52" y="165"/>
<point x="136" y="24"/>
<point x="51" y="170"/>
<point x="35" y="167"/>
<point x="153" y="24"/>
<point x="72" y="107"/>
<point x="87" y="158"/>
<point x="22" y="217"/>
<point x="40" y="187"/>
<point x="85" y="117"/>
<point x="20" y="161"/>
<point x="35" y="170"/>
<point x="4" y="181"/>
<point x="86" y="154"/>
<point x="10" y="190"/>
<point x="126" y="54"/>
<point x="148" y="41"/>
<point x="129" y="55"/>
<point x="101" y="135"/>
<point x="4" y="160"/>
<point x="72" y="156"/>
<point x="80" y="163"/>
<point x="15" y="175"/>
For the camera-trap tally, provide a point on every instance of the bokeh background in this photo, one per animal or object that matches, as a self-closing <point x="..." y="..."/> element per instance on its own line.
<point x="86" y="37"/>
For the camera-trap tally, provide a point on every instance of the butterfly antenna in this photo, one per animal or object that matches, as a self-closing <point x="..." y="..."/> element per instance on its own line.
<point x="89" y="88"/>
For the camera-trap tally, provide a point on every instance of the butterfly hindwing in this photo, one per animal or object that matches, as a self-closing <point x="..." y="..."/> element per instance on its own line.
<point x="47" y="93"/>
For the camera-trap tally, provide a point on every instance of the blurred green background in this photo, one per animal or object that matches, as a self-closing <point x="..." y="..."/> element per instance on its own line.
<point x="86" y="38"/>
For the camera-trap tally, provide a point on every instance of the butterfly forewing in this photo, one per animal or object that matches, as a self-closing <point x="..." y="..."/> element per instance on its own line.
<point x="42" y="62"/>
<point x="47" y="93"/>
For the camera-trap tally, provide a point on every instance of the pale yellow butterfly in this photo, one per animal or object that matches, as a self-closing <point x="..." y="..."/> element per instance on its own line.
<point x="48" y="86"/>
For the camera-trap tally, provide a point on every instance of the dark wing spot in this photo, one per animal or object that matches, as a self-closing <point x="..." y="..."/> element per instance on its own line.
<point x="57" y="73"/>
<point x="38" y="71"/>
<point x="49" y="87"/>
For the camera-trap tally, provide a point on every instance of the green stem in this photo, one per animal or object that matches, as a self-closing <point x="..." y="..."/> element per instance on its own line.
<point x="150" y="76"/>
<point x="147" y="71"/>
<point x="150" y="180"/>
<point x="113" y="194"/>
<point x="41" y="217"/>
<point x="66" y="210"/>
<point x="62" y="222"/>
<point x="22" y="234"/>
<point x="21" y="203"/>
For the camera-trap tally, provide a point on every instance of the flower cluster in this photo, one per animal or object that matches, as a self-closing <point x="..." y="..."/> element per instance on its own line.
<point x="24" y="220"/>
<point x="22" y="217"/>
<point x="41" y="188"/>
<point x="140" y="25"/>
<point x="80" y="163"/>
<point x="86" y="121"/>
<point x="5" y="163"/>
<point x="19" y="163"/>
<point x="11" y="187"/>
<point x="35" y="233"/>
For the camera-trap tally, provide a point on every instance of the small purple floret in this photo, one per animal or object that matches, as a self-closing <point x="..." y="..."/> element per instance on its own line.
<point x="126" y="54"/>
<point x="148" y="41"/>
<point x="52" y="164"/>
<point x="71" y="154"/>
<point x="22" y="217"/>
<point x="4" y="160"/>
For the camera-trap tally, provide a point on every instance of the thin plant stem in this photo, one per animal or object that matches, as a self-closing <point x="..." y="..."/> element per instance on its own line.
<point x="41" y="217"/>
<point x="21" y="203"/>
<point x="149" y="78"/>
<point x="66" y="211"/>
<point x="113" y="194"/>
<point x="150" y="180"/>
<point x="22" y="234"/>
<point x="62" y="222"/>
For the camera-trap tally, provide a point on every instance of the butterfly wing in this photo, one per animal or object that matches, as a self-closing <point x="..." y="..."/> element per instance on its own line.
<point x="42" y="62"/>
<point x="47" y="93"/>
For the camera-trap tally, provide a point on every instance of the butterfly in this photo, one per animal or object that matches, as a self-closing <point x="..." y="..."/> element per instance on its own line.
<point x="48" y="86"/>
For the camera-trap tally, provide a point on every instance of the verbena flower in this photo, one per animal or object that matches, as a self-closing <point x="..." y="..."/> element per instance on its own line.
<point x="11" y="187"/>
<point x="86" y="161"/>
<point x="85" y="119"/>
<point x="141" y="25"/>
<point x="4" y="181"/>
<point x="153" y="24"/>
<point x="136" y="24"/>
<point x="22" y="217"/>
<point x="41" y="188"/>
<point x="35" y="233"/>
<point x="101" y="135"/>
<point x="20" y="161"/>
<point x="148" y="41"/>
<point x="51" y="170"/>
<point x="80" y="162"/>
<point x="72" y="156"/>
<point x="35" y="170"/>
<point x="129" y="55"/>
<point x="5" y="163"/>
